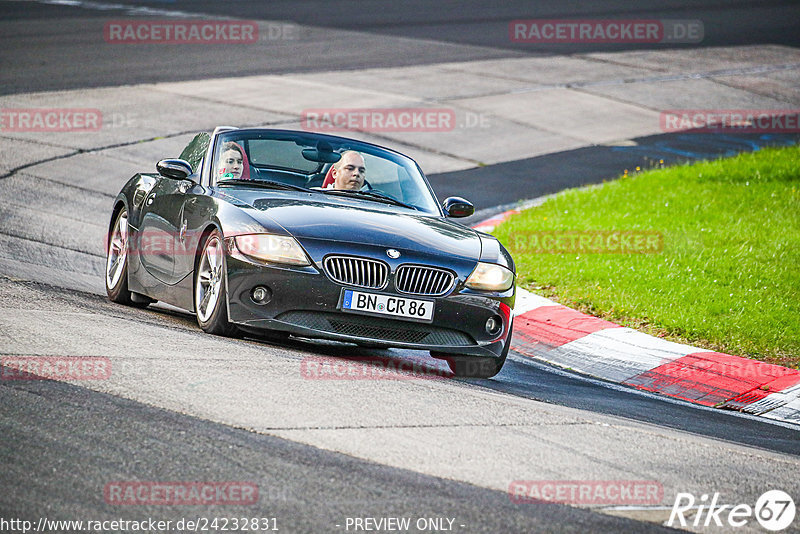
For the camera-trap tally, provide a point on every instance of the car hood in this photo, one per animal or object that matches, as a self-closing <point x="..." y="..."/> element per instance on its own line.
<point x="312" y="217"/>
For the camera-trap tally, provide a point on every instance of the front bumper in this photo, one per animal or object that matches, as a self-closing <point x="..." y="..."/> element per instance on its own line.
<point x="304" y="302"/>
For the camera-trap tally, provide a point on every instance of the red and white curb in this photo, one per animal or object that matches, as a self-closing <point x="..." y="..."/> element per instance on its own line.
<point x="489" y="224"/>
<point x="567" y="338"/>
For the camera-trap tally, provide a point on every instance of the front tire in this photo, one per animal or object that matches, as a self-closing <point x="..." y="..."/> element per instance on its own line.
<point x="210" y="289"/>
<point x="476" y="366"/>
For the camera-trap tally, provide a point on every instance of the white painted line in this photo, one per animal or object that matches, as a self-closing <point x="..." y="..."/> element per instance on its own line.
<point x="558" y="370"/>
<point x="617" y="354"/>
<point x="527" y="301"/>
<point x="789" y="412"/>
<point x="776" y="400"/>
<point x="131" y="9"/>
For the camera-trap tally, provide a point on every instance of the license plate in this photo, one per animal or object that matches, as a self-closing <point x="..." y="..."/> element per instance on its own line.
<point x="374" y="303"/>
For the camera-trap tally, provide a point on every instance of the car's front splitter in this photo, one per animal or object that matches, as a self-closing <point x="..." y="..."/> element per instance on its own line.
<point x="305" y="302"/>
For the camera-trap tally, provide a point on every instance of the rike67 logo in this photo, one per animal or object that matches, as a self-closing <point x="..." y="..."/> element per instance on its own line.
<point x="774" y="510"/>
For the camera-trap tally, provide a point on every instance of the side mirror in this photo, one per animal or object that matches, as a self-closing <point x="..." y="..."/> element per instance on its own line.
<point x="457" y="207"/>
<point x="177" y="169"/>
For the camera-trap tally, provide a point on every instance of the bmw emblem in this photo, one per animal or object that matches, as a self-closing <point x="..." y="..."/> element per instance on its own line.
<point x="392" y="253"/>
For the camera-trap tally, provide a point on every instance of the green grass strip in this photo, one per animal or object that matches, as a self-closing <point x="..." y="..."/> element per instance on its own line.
<point x="727" y="277"/>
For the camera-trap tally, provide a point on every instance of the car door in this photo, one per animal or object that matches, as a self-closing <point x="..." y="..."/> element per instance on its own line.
<point x="197" y="210"/>
<point x="160" y="228"/>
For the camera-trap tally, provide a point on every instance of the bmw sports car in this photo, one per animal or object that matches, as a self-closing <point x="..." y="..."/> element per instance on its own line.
<point x="276" y="233"/>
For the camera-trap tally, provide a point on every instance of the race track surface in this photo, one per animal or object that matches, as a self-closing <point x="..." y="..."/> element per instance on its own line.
<point x="180" y="405"/>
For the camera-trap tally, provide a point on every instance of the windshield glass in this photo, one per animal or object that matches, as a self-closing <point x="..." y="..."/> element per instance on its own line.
<point x="194" y="151"/>
<point x="324" y="163"/>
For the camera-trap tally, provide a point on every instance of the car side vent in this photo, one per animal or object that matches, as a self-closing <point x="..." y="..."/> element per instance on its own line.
<point x="421" y="280"/>
<point x="361" y="272"/>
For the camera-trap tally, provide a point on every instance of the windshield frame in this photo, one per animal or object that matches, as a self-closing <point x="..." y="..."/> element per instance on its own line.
<point x="339" y="144"/>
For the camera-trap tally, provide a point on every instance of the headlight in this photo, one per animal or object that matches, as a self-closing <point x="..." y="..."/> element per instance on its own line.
<point x="490" y="277"/>
<point x="272" y="248"/>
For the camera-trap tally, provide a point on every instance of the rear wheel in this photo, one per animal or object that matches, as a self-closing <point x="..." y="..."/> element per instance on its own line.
<point x="210" y="291"/>
<point x="117" y="266"/>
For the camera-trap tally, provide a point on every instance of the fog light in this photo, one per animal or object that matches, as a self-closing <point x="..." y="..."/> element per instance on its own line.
<point x="261" y="295"/>
<point x="494" y="325"/>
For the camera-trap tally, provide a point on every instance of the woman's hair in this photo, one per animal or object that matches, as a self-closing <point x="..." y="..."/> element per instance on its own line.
<point x="231" y="145"/>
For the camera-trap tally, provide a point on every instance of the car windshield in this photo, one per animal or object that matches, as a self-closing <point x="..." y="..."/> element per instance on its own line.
<point x="299" y="159"/>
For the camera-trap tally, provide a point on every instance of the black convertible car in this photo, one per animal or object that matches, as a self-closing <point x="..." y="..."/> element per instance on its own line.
<point x="278" y="232"/>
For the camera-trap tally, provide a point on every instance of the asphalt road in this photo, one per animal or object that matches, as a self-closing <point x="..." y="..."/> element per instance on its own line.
<point x="62" y="444"/>
<point x="46" y="46"/>
<point x="185" y="406"/>
<point x="548" y="174"/>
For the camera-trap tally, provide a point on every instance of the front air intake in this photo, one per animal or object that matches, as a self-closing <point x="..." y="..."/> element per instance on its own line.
<point x="421" y="280"/>
<point x="359" y="272"/>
